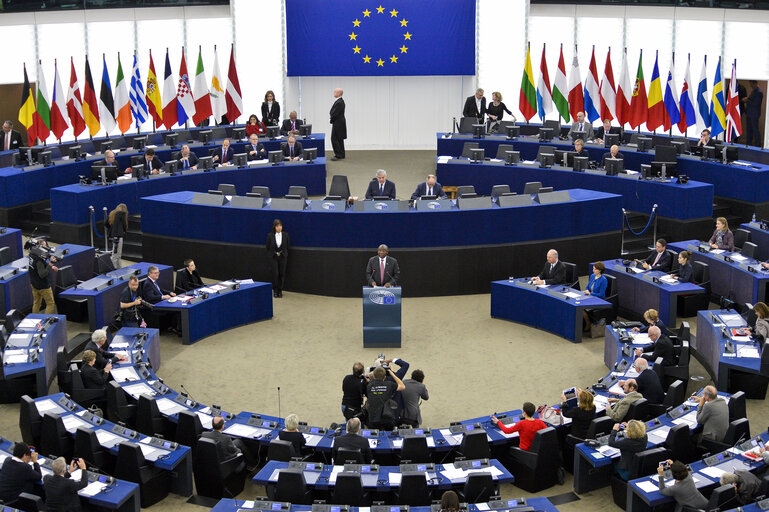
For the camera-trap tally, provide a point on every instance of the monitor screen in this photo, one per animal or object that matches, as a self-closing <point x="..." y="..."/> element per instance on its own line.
<point x="110" y="173"/>
<point x="546" y="133"/>
<point x="44" y="158"/>
<point x="561" y="157"/>
<point x="479" y="130"/>
<point x="239" y="133"/>
<point x="140" y="142"/>
<point x="105" y="145"/>
<point x="708" y="152"/>
<point x="613" y="165"/>
<point x="512" y="131"/>
<point x="205" y="163"/>
<point x="578" y="135"/>
<point x="546" y="159"/>
<point x="477" y="154"/>
<point x="205" y="136"/>
<point x="552" y="123"/>
<point x="665" y="154"/>
<point x="137" y="171"/>
<point x="170" y="139"/>
<point x="670" y="169"/>
<point x="580" y="163"/>
<point x="512" y="157"/>
<point x="611" y="139"/>
<point x="305" y="130"/>
<point x="275" y="157"/>
<point x="272" y="132"/>
<point x="645" y="143"/>
<point x="75" y="152"/>
<point x="171" y="166"/>
<point x="310" y="154"/>
<point x="239" y="159"/>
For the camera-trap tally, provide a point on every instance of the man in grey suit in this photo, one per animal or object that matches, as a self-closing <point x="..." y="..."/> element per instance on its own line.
<point x="225" y="446"/>
<point x="382" y="270"/>
<point x="415" y="390"/>
<point x="713" y="415"/>
<point x="617" y="408"/>
<point x="582" y="125"/>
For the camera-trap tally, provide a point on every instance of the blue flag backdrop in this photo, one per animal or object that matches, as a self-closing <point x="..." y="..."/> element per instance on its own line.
<point x="380" y="38"/>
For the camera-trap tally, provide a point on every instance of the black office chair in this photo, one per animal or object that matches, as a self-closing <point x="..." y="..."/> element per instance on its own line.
<point x="537" y="468"/>
<point x="659" y="369"/>
<point x="498" y="190"/>
<point x="679" y="442"/>
<point x="545" y="149"/>
<point x="281" y="450"/>
<point x="740" y="237"/>
<point x="339" y="186"/>
<point x="467" y="147"/>
<point x="415" y="449"/>
<point x="720" y="496"/>
<point x="54" y="438"/>
<point x="291" y="487"/>
<point x="214" y="477"/>
<point x="474" y="445"/>
<point x="264" y="192"/>
<point x="131" y="465"/>
<point x="532" y="187"/>
<point x="149" y="421"/>
<point x="688" y="305"/>
<point x="643" y="463"/>
<point x="30" y="421"/>
<point x="63" y="375"/>
<point x="680" y="370"/>
<point x="349" y="491"/>
<point x="76" y="310"/>
<point x="298" y="190"/>
<point x="88" y="448"/>
<point x="612" y="297"/>
<point x="572" y="276"/>
<point x="118" y="407"/>
<point x="83" y="396"/>
<point x="502" y="150"/>
<point x="348" y="456"/>
<point x="188" y="430"/>
<point x="738" y="429"/>
<point x="413" y="490"/>
<point x="5" y="256"/>
<point x="674" y="265"/>
<point x="465" y="189"/>
<point x="749" y="250"/>
<point x="479" y="488"/>
<point x="600" y="427"/>
<point x="737" y="408"/>
<point x="103" y="263"/>
<point x="177" y="273"/>
<point x="684" y="332"/>
<point x="29" y="503"/>
<point x="638" y="410"/>
<point x="675" y="396"/>
<point x="12" y="318"/>
<point x="227" y="189"/>
<point x="754" y="384"/>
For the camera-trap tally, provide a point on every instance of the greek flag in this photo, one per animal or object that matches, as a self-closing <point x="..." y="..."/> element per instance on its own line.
<point x="136" y="95"/>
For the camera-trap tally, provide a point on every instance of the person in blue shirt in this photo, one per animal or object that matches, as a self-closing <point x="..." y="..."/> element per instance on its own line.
<point x="596" y="286"/>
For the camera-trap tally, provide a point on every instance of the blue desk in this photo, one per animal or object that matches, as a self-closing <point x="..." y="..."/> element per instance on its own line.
<point x="728" y="279"/>
<point x="230" y="505"/>
<point x="11" y="238"/>
<point x="250" y="303"/>
<point x="20" y="344"/>
<point x="121" y="495"/>
<point x="639" y="500"/>
<point x="711" y="343"/>
<point x="177" y="462"/>
<point x="103" y="304"/>
<point x="759" y="237"/>
<point x="539" y="308"/>
<point x="636" y="293"/>
<point x="69" y="203"/>
<point x="693" y="200"/>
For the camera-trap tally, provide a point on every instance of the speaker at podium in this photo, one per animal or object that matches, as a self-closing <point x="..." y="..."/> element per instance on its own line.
<point x="381" y="317"/>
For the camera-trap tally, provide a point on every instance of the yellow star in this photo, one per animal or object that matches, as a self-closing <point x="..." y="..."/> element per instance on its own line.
<point x="403" y="49"/>
<point x="379" y="10"/>
<point x="404" y="22"/>
<point x="394" y="59"/>
<point x="356" y="49"/>
<point x="353" y="36"/>
<point x="393" y="13"/>
<point x="379" y="63"/>
<point x="366" y="13"/>
<point x="407" y="36"/>
<point x="356" y="23"/>
<point x="366" y="59"/>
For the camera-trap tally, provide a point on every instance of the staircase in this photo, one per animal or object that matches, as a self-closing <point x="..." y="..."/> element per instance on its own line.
<point x="637" y="247"/>
<point x="132" y="242"/>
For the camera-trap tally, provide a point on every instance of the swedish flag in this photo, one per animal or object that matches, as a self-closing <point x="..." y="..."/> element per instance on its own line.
<point x="717" y="104"/>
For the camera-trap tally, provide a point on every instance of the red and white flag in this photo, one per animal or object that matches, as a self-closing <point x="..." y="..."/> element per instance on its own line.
<point x="624" y="93"/>
<point x="608" y="92"/>
<point x="75" y="102"/>
<point x="58" y="107"/>
<point x="232" y="96"/>
<point x="733" y="118"/>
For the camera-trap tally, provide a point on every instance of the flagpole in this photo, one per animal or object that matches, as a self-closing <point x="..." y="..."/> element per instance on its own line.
<point x="673" y="67"/>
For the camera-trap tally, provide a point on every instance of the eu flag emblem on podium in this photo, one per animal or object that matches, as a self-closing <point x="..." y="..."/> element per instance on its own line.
<point x="379" y="38"/>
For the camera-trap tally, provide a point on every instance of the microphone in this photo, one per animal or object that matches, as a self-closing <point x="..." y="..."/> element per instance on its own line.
<point x="391" y="277"/>
<point x="188" y="393"/>
<point x="279" y="416"/>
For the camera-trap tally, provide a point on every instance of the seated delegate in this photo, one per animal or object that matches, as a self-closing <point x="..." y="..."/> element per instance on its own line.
<point x="745" y="484"/>
<point x="685" y="271"/>
<point x="652" y="318"/>
<point x="292" y="435"/>
<point x="152" y="164"/>
<point x="291" y="125"/>
<point x="649" y="384"/>
<point x="761" y="330"/>
<point x="712" y="414"/>
<point x="61" y="490"/>
<point x="634" y="441"/>
<point x="352" y="440"/>
<point x="93" y="378"/>
<point x="659" y="259"/>
<point x="613" y="153"/>
<point x="581" y="415"/>
<point x="380" y="186"/>
<point x="189" y="279"/>
<point x="526" y="428"/>
<point x="581" y="126"/>
<point x="186" y="158"/>
<point x="429" y="187"/>
<point x="579" y="149"/>
<point x="554" y="271"/>
<point x="600" y="134"/>
<point x="292" y="150"/>
<point x="684" y="491"/>
<point x="661" y="347"/>
<point x="17" y="475"/>
<point x="254" y="126"/>
<point x="722" y="238"/>
<point x="223" y="155"/>
<point x="618" y="407"/>
<point x="254" y="150"/>
<point x="596" y="286"/>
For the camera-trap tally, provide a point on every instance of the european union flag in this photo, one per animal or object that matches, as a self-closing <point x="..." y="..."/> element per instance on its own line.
<point x="380" y="38"/>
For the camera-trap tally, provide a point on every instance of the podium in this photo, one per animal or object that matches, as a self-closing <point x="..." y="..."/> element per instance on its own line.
<point x="381" y="317"/>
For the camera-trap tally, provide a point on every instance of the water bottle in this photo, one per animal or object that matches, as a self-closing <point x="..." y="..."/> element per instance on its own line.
<point x="753" y="220"/>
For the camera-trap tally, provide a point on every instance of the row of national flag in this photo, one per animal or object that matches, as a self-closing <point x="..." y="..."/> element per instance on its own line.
<point x="628" y="102"/>
<point x="131" y="101"/>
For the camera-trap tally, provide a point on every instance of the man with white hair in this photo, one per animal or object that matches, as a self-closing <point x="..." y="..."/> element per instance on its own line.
<point x="352" y="440"/>
<point x="97" y="344"/>
<point x="60" y="490"/>
<point x="475" y="105"/>
<point x="712" y="414"/>
<point x="381" y="186"/>
<point x="648" y="381"/>
<point x="554" y="272"/>
<point x="662" y="347"/>
<point x="745" y="484"/>
<point x="338" y="125"/>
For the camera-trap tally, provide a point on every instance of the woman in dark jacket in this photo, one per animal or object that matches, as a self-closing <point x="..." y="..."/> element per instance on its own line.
<point x="635" y="441"/>
<point x="686" y="272"/>
<point x="188" y="279"/>
<point x="270" y="110"/>
<point x="581" y="415"/>
<point x="277" y="252"/>
<point x="117" y="225"/>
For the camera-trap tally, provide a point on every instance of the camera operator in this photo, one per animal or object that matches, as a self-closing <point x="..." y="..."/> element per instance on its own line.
<point x="130" y="300"/>
<point x="353" y="389"/>
<point x="403" y="368"/>
<point x="41" y="262"/>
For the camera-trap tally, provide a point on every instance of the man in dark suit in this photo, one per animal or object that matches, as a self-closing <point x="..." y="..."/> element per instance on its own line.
<point x="223" y="155"/>
<point x="61" y="490"/>
<point x="352" y="440"/>
<point x="648" y="381"/>
<point x="581" y="125"/>
<point x="706" y="139"/>
<point x="600" y="135"/>
<point x="381" y="186"/>
<point x="225" y="445"/>
<point x="554" y="272"/>
<point x="152" y="164"/>
<point x="152" y="292"/>
<point x="662" y="347"/>
<point x="613" y="153"/>
<point x="659" y="259"/>
<point x="429" y="187"/>
<point x="475" y="106"/>
<point x="93" y="378"/>
<point x="187" y="159"/>
<point x="254" y="150"/>
<point x="98" y="339"/>
<point x="382" y="270"/>
<point x="109" y="159"/>
<point x="10" y="139"/>
<point x="753" y="113"/>
<point x="291" y="125"/>
<point x="189" y="278"/>
<point x="292" y="150"/>
<point x="338" y="125"/>
<point x="17" y="476"/>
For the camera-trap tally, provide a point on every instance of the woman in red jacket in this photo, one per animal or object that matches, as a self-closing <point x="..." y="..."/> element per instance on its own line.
<point x="254" y="126"/>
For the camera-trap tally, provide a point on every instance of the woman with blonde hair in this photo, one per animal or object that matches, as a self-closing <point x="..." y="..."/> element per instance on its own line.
<point x="722" y="238"/>
<point x="117" y="225"/>
<point x="634" y="441"/>
<point x="292" y="435"/>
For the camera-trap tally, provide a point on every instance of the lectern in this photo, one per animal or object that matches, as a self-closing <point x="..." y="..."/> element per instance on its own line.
<point x="381" y="317"/>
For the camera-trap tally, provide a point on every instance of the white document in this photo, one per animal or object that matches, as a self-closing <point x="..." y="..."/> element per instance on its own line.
<point x="15" y="356"/>
<point x="713" y="472"/>
<point x="18" y="340"/>
<point x="395" y="478"/>
<point x="125" y="373"/>
<point x="240" y="430"/>
<point x="28" y="323"/>
<point x="660" y="434"/>
<point x="617" y="389"/>
<point x="608" y="451"/>
<point x="248" y="504"/>
<point x="168" y="406"/>
<point x="205" y="419"/>
<point x="150" y="452"/>
<point x="732" y="319"/>
<point x="372" y="442"/>
<point x="648" y="486"/>
<point x="91" y="489"/>
<point x="717" y="251"/>
<point x="107" y="438"/>
<point x="47" y="405"/>
<point x="640" y="338"/>
<point x="668" y="280"/>
<point x="637" y="270"/>
<point x="136" y="390"/>
<point x="739" y="257"/>
<point x="121" y="343"/>
<point x="481" y="507"/>
<point x="72" y="422"/>
<point x="313" y="440"/>
<point x="444" y="159"/>
<point x="689" y="418"/>
<point x="574" y="295"/>
<point x="748" y="352"/>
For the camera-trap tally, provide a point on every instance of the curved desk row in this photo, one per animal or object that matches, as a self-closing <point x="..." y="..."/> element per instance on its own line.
<point x="231" y="505"/>
<point x="11" y="238"/>
<point x="451" y="243"/>
<point x="23" y="189"/>
<point x="760" y="237"/>
<point x="70" y="203"/>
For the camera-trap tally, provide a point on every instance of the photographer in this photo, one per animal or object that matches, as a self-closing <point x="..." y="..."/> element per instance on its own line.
<point x="353" y="389"/>
<point x="129" y="305"/>
<point x="382" y="409"/>
<point x="41" y="262"/>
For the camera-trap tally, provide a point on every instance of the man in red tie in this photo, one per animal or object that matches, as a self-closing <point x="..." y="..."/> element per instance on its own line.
<point x="291" y="125"/>
<point x="382" y="270"/>
<point x="10" y="139"/>
<point x="659" y="259"/>
<point x="224" y="154"/>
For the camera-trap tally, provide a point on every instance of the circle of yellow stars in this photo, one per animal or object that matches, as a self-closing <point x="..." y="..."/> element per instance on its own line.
<point x="380" y="62"/>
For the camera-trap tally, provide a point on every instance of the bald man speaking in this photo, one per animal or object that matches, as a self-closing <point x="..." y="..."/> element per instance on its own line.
<point x="382" y="270"/>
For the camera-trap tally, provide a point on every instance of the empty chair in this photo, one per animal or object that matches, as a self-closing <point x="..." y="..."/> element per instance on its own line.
<point x="298" y="190"/>
<point x="502" y="150"/>
<point x="679" y="371"/>
<point x="721" y="495"/>
<point x="264" y="192"/>
<point x="684" y="332"/>
<point x="227" y="189"/>
<point x="65" y="278"/>
<point x="738" y="429"/>
<point x="737" y="406"/>
<point x="76" y="310"/>
<point x="30" y="503"/>
<point x="347" y="455"/>
<point x="149" y="421"/>
<point x="415" y="449"/>
<point x="675" y="396"/>
<point x="612" y="296"/>
<point x="188" y="430"/>
<point x="479" y="488"/>
<point x="532" y="187"/>
<point x="280" y="450"/>
<point x="688" y="305"/>
<point x="498" y="190"/>
<point x="599" y="427"/>
<point x="679" y="442"/>
<point x="5" y="256"/>
<point x="349" y="490"/>
<point x="749" y="250"/>
<point x="154" y="482"/>
<point x="103" y="263"/>
<point x="87" y="447"/>
<point x="467" y="147"/>
<point x="413" y="490"/>
<point x="54" y="438"/>
<point x="572" y="276"/>
<point x="63" y="375"/>
<point x="474" y="445"/>
<point x="291" y="487"/>
<point x="30" y="421"/>
<point x="536" y="469"/>
<point x="339" y="186"/>
<point x="465" y="189"/>
<point x="740" y="237"/>
<point x="12" y="318"/>
<point x="214" y="477"/>
<point x="118" y="408"/>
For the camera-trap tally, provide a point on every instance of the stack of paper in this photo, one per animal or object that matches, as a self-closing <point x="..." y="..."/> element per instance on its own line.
<point x="107" y="438"/>
<point x="91" y="489"/>
<point x="28" y="323"/>
<point x="168" y="406"/>
<point x="452" y="439"/>
<point x="713" y="472"/>
<point x="240" y="430"/>
<point x="15" y="357"/>
<point x="48" y="405"/>
<point x="124" y="374"/>
<point x="748" y="352"/>
<point x="648" y="487"/>
<point x="689" y="418"/>
<point x="205" y="419"/>
<point x="312" y="439"/>
<point x="136" y="390"/>
<point x="659" y="435"/>
<point x="608" y="451"/>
